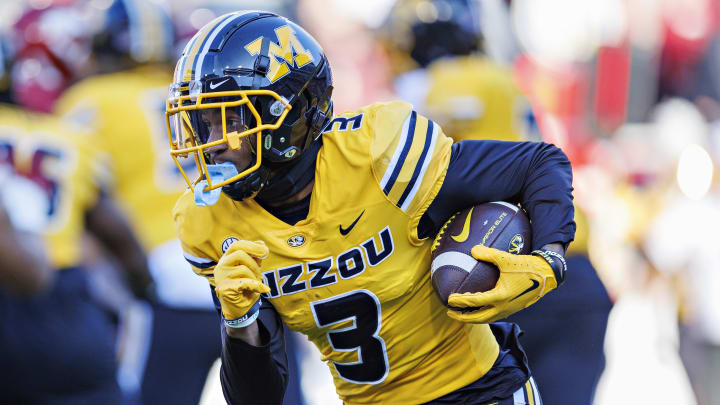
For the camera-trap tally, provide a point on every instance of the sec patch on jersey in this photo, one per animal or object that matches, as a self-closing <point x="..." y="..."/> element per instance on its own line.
<point x="498" y="225"/>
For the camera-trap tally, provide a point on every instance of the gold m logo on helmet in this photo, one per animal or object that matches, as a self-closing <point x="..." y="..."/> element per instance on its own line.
<point x="289" y="50"/>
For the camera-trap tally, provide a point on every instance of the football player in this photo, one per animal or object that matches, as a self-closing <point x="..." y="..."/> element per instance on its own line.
<point x="436" y="49"/>
<point x="331" y="219"/>
<point x="60" y="345"/>
<point x="122" y="111"/>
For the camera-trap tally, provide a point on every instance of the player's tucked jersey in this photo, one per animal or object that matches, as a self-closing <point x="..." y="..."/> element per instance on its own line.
<point x="125" y="114"/>
<point x="353" y="276"/>
<point x="39" y="148"/>
<point x="472" y="98"/>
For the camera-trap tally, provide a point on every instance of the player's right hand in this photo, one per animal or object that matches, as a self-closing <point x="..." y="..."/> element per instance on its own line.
<point x="238" y="282"/>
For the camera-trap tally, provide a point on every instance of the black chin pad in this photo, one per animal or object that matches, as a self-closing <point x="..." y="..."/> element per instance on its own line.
<point x="291" y="178"/>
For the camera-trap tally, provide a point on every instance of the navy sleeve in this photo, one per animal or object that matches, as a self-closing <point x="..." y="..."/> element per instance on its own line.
<point x="537" y="175"/>
<point x="255" y="374"/>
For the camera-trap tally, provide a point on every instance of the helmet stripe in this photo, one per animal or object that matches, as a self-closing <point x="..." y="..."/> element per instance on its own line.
<point x="180" y="70"/>
<point x="198" y="41"/>
<point x="201" y="56"/>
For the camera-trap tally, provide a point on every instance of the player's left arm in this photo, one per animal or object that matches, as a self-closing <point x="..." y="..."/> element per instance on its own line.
<point x="537" y="175"/>
<point x="105" y="221"/>
<point x="255" y="373"/>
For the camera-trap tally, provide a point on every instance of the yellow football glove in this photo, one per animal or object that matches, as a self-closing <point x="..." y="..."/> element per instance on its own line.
<point x="524" y="279"/>
<point x="238" y="282"/>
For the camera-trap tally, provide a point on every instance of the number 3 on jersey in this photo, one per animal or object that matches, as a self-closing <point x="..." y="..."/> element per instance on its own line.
<point x="362" y="308"/>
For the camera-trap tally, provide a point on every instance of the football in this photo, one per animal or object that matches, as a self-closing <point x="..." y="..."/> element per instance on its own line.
<point x="498" y="225"/>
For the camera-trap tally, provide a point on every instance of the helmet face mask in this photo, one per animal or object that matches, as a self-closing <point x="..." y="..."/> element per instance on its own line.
<point x="251" y="82"/>
<point x="198" y="123"/>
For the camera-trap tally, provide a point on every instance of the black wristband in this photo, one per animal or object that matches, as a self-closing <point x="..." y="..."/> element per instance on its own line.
<point x="556" y="262"/>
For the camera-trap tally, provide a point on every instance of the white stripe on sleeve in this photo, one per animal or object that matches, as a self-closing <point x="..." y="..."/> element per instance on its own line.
<point x="196" y="259"/>
<point x="397" y="153"/>
<point x="425" y="163"/>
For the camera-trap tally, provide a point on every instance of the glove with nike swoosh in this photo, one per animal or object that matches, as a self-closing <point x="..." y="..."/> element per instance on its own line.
<point x="238" y="282"/>
<point x="523" y="280"/>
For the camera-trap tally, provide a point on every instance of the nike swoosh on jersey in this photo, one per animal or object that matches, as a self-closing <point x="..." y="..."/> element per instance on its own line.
<point x="535" y="285"/>
<point x="465" y="232"/>
<point x="214" y="86"/>
<point x="345" y="231"/>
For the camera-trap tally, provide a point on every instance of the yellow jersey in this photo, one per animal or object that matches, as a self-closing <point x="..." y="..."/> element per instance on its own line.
<point x="124" y="113"/>
<point x="38" y="147"/>
<point x="474" y="98"/>
<point x="354" y="277"/>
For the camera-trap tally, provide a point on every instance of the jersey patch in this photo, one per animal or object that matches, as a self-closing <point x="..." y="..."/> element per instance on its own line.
<point x="227" y="242"/>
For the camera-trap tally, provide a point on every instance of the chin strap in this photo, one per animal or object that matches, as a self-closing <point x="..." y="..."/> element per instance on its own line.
<point x="289" y="181"/>
<point x="248" y="186"/>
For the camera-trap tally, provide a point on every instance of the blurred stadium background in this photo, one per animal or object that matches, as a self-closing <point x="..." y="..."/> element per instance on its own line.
<point x="630" y="89"/>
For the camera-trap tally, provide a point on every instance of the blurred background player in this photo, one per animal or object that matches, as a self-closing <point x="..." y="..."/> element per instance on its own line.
<point x="60" y="345"/>
<point x="475" y="97"/>
<point x="436" y="53"/>
<point x="171" y="348"/>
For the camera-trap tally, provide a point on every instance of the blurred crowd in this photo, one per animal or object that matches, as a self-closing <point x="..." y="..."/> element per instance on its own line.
<point x="97" y="304"/>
